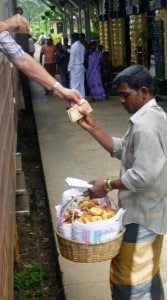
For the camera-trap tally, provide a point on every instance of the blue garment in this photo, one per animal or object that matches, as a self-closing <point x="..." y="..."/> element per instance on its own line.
<point x="62" y="60"/>
<point x="94" y="76"/>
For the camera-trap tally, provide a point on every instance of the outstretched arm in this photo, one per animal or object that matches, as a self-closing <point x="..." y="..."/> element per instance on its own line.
<point x="89" y="124"/>
<point x="37" y="73"/>
<point x="100" y="186"/>
<point x="25" y="63"/>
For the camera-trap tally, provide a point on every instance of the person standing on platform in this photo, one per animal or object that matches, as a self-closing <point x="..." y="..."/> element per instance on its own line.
<point x="107" y="73"/>
<point x="76" y="64"/>
<point x="31" y="45"/>
<point x="93" y="73"/>
<point x="42" y="39"/>
<point x="86" y="45"/>
<point x="22" y="40"/>
<point x="62" y="60"/>
<point x="66" y="46"/>
<point x="142" y="190"/>
<point x="83" y="40"/>
<point x="48" y="53"/>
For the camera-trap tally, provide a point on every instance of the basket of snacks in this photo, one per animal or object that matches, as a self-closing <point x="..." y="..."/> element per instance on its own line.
<point x="89" y="230"/>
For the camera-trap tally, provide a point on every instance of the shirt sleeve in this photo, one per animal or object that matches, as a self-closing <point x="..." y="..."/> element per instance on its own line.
<point x="148" y="160"/>
<point x="118" y="147"/>
<point x="9" y="47"/>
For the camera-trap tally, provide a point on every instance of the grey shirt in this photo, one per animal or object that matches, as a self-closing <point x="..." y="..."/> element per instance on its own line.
<point x="143" y="155"/>
<point x="9" y="47"/>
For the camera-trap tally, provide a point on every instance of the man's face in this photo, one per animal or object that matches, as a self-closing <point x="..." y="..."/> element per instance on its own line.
<point x="131" y="99"/>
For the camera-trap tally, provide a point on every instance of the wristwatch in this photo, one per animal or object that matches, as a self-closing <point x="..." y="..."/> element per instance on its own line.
<point x="54" y="86"/>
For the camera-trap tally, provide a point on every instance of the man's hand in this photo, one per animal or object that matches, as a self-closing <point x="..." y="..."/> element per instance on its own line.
<point x="97" y="191"/>
<point x="87" y="122"/>
<point x="72" y="95"/>
<point x="16" y="23"/>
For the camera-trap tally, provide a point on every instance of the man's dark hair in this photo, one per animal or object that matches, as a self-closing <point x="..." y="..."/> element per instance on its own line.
<point x="82" y="36"/>
<point x="136" y="76"/>
<point x="75" y="36"/>
<point x="49" y="41"/>
<point x="19" y="10"/>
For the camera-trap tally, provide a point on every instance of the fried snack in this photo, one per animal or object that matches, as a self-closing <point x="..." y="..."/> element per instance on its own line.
<point x="67" y="221"/>
<point x="96" y="218"/>
<point x="89" y="210"/>
<point x="95" y="201"/>
<point x="85" y="218"/>
<point x="67" y="217"/>
<point x="80" y="220"/>
<point x="96" y="211"/>
<point x="83" y="204"/>
<point x="74" y="113"/>
<point x="108" y="215"/>
<point x="86" y="204"/>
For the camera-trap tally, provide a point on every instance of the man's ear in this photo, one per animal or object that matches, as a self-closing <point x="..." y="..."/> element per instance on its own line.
<point x="144" y="91"/>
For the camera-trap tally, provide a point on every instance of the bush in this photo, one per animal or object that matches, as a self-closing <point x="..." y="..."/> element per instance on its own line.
<point x="29" y="280"/>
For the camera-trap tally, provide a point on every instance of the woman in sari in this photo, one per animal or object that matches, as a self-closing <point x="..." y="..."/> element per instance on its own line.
<point x="93" y="74"/>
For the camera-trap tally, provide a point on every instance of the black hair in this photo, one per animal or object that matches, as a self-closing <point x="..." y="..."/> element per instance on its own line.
<point x="92" y="43"/>
<point x="49" y="41"/>
<point x="136" y="76"/>
<point x="100" y="47"/>
<point x="106" y="53"/>
<point x="82" y="35"/>
<point x="19" y="10"/>
<point x="75" y="36"/>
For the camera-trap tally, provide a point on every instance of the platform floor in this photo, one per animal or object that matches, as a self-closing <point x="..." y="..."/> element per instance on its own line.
<point x="68" y="151"/>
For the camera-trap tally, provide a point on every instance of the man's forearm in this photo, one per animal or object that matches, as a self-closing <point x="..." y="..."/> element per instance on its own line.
<point x="34" y="70"/>
<point x="37" y="73"/>
<point x="3" y="26"/>
<point x="103" y="138"/>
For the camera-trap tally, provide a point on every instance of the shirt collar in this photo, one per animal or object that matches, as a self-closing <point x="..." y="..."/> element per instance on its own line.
<point x="142" y="110"/>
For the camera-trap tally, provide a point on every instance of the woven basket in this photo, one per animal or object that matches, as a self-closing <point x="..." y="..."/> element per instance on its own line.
<point x="89" y="252"/>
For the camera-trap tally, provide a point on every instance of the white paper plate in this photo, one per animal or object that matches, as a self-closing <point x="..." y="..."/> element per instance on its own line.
<point x="77" y="183"/>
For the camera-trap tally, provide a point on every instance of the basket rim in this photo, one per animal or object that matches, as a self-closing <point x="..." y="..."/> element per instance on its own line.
<point x="92" y="244"/>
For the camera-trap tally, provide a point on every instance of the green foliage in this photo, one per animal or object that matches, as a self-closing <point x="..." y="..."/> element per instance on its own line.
<point x="44" y="21"/>
<point x="28" y="281"/>
<point x="39" y="15"/>
<point x="57" y="38"/>
<point x="31" y="8"/>
<point x="94" y="34"/>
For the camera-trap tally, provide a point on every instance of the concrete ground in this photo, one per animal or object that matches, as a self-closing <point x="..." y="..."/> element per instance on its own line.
<point x="68" y="151"/>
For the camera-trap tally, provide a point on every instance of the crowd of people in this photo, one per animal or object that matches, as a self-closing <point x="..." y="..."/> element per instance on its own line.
<point x="82" y="66"/>
<point x="85" y="67"/>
